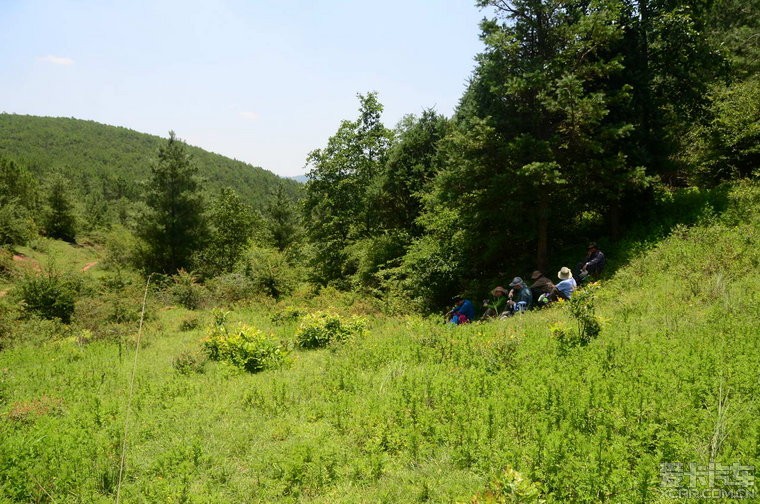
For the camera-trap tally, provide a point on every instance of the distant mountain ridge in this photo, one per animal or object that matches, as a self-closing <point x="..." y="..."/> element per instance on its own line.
<point x="87" y="150"/>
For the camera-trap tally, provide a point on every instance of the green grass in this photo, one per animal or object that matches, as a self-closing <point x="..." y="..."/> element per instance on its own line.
<point x="414" y="411"/>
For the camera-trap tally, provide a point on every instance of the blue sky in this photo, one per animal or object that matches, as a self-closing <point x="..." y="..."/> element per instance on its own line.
<point x="263" y="81"/>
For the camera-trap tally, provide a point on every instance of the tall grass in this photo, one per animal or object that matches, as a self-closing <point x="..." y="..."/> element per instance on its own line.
<point x="412" y="410"/>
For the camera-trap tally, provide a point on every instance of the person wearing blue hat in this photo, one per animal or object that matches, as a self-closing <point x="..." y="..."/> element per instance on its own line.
<point x="520" y="297"/>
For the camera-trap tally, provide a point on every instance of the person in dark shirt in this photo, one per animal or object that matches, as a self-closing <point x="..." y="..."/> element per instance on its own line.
<point x="593" y="265"/>
<point x="541" y="285"/>
<point x="520" y="297"/>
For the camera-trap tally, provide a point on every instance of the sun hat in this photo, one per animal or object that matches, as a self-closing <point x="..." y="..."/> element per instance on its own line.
<point x="516" y="281"/>
<point x="536" y="275"/>
<point x="565" y="273"/>
<point x="592" y="245"/>
<point x="499" y="289"/>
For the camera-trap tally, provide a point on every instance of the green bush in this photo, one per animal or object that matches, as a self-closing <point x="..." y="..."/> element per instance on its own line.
<point x="270" y="272"/>
<point x="287" y="314"/>
<point x="321" y="329"/>
<point x="122" y="249"/>
<point x="588" y="326"/>
<point x="231" y="287"/>
<point x="188" y="363"/>
<point x="6" y="263"/>
<point x="16" y="224"/>
<point x="186" y="291"/>
<point x="50" y="295"/>
<point x="246" y="347"/>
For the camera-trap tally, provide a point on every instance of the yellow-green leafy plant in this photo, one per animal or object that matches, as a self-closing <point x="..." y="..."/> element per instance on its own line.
<point x="245" y="347"/>
<point x="321" y="329"/>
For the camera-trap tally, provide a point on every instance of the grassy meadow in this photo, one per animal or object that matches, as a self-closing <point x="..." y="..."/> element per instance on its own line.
<point x="409" y="410"/>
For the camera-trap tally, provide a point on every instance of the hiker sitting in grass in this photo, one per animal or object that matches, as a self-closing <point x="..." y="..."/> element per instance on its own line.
<point x="593" y="264"/>
<point x="462" y="312"/>
<point x="495" y="306"/>
<point x="520" y="297"/>
<point x="566" y="286"/>
<point x="541" y="288"/>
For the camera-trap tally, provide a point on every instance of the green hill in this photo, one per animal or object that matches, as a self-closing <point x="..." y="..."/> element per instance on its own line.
<point x="90" y="152"/>
<point x="516" y="410"/>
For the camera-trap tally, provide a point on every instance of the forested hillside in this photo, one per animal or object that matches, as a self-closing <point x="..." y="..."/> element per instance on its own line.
<point x="93" y="155"/>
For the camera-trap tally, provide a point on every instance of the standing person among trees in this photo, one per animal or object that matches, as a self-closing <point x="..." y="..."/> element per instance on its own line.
<point x="593" y="264"/>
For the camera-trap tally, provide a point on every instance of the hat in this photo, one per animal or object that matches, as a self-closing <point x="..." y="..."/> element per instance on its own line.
<point x="592" y="245"/>
<point x="565" y="273"/>
<point x="456" y="298"/>
<point x="536" y="275"/>
<point x="516" y="281"/>
<point x="499" y="289"/>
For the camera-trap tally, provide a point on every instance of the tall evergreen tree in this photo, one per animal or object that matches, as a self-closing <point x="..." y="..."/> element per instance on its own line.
<point x="281" y="220"/>
<point x="174" y="227"/>
<point x="60" y="219"/>
<point x="539" y="130"/>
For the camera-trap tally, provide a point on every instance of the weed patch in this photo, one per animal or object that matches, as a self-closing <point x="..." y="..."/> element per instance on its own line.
<point x="321" y="329"/>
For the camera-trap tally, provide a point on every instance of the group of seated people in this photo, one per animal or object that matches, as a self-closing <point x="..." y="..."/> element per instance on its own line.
<point x="521" y="297"/>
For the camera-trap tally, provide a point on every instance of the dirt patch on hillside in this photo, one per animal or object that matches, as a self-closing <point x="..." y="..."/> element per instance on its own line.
<point x="89" y="265"/>
<point x="27" y="262"/>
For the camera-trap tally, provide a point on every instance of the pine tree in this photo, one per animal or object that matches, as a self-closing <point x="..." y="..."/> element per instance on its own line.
<point x="60" y="215"/>
<point x="174" y="227"/>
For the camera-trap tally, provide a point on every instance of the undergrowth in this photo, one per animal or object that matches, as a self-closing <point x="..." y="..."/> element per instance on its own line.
<point x="661" y="369"/>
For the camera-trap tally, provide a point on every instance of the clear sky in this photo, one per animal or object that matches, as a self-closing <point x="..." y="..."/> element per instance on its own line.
<point x="263" y="81"/>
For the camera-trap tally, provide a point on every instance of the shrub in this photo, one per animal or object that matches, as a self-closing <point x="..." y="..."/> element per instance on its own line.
<point x="588" y="327"/>
<point x="189" y="324"/>
<point x="16" y="224"/>
<point x="246" y="347"/>
<point x="6" y="263"/>
<point x="321" y="329"/>
<point x="122" y="248"/>
<point x="510" y="487"/>
<point x="288" y="314"/>
<point x="232" y="287"/>
<point x="187" y="363"/>
<point x="186" y="291"/>
<point x="270" y="272"/>
<point x="584" y="312"/>
<point x="50" y="295"/>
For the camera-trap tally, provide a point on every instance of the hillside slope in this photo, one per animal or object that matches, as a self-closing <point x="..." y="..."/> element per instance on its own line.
<point x="415" y="411"/>
<point x="85" y="150"/>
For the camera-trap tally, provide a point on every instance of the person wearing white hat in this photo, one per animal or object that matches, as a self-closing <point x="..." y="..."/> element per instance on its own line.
<point x="564" y="289"/>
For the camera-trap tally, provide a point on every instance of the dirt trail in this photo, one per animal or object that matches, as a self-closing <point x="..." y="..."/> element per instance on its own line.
<point x="89" y="265"/>
<point x="27" y="260"/>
